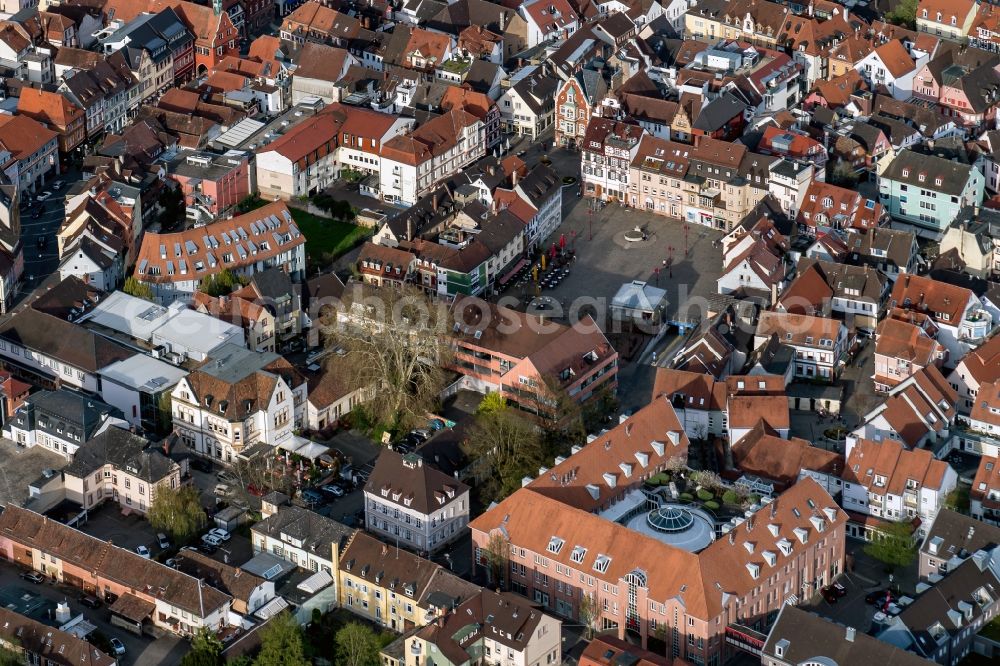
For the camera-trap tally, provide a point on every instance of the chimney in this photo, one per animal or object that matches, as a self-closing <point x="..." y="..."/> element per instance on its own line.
<point x="849" y="634"/>
<point x="434" y="202"/>
<point x="774" y="294"/>
<point x="409" y="228"/>
<point x="514" y="176"/>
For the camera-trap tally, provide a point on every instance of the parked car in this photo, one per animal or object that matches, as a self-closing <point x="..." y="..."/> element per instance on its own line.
<point x="42" y="196"/>
<point x="162" y="541"/>
<point x="222" y="490"/>
<point x="220" y="533"/>
<point x="333" y="489"/>
<point x="33" y="576"/>
<point x="142" y="551"/>
<point x="226" y="476"/>
<point x="90" y="601"/>
<point x="879" y="597"/>
<point x="839" y="589"/>
<point x="208" y="548"/>
<point x="171" y="562"/>
<point x="829" y="594"/>
<point x="57" y="184"/>
<point x="117" y="647"/>
<point x="310" y="496"/>
<point x="211" y="539"/>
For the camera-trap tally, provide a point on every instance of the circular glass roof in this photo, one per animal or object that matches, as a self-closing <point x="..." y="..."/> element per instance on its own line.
<point x="670" y="519"/>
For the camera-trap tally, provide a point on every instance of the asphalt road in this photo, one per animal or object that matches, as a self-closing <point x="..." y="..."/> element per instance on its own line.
<point x="39" y="234"/>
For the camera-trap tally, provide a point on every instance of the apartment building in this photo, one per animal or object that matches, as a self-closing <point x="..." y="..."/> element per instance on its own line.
<point x="149" y="592"/>
<point x="799" y="636"/>
<point x="655" y="176"/>
<point x="61" y="421"/>
<point x="941" y="623"/>
<point x="919" y="412"/>
<point x="119" y="466"/>
<point x="211" y="183"/>
<point x="306" y="539"/>
<point x="607" y="151"/>
<point x="414" y="163"/>
<point x="888" y="482"/>
<point x="506" y="630"/>
<point x="498" y="349"/>
<point x="175" y="264"/>
<point x="820" y="344"/>
<point x="394" y="588"/>
<point x="576" y="101"/>
<point x="414" y="504"/>
<point x="724" y="183"/>
<point x="984" y="498"/>
<point x="903" y="348"/>
<point x="39" y="643"/>
<point x="236" y="399"/>
<point x="925" y="192"/>
<point x="980" y="366"/>
<point x="58" y="113"/>
<point x="951" y="540"/>
<point x="312" y="153"/>
<point x="951" y="20"/>
<point x="962" y="321"/>
<point x="641" y="586"/>
<point x="29" y="152"/>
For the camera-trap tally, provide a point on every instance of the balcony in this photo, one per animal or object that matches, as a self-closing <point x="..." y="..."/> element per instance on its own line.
<point x="745" y="638"/>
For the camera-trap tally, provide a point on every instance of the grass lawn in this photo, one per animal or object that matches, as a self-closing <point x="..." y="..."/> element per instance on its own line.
<point x="327" y="239"/>
<point x="992" y="630"/>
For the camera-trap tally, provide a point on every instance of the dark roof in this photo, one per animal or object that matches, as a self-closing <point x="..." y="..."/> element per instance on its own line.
<point x="316" y="533"/>
<point x="52" y="646"/>
<point x="718" y="112"/>
<point x="63" y="341"/>
<point x="953" y="532"/>
<point x="123" y="450"/>
<point x="939" y="603"/>
<point x="805" y="636"/>
<point x="481" y="76"/>
<point x="64" y="413"/>
<point x="407" y="481"/>
<point x="954" y="175"/>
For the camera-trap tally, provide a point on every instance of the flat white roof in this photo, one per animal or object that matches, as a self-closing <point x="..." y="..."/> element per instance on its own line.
<point x="240" y="132"/>
<point x="144" y="373"/>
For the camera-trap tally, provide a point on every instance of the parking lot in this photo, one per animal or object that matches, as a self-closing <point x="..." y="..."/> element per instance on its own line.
<point x="108" y="524"/>
<point x="39" y="599"/>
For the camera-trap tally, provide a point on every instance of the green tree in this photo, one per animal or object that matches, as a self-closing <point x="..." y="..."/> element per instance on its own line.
<point x="222" y="283"/>
<point x="893" y="545"/>
<point x="138" y="289"/>
<point x="206" y="649"/>
<point x="164" y="417"/>
<point x="281" y="643"/>
<point x="958" y="500"/>
<point x="492" y="402"/>
<point x="357" y="645"/>
<point x="904" y="14"/>
<point x="11" y="656"/>
<point x="178" y="512"/>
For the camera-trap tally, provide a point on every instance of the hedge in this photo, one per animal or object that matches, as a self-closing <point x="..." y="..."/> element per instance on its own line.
<point x="711" y="504"/>
<point x="704" y="495"/>
<point x="730" y="497"/>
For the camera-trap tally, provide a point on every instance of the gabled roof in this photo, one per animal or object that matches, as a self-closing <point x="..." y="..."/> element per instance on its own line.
<point x="768" y="456"/>
<point x="406" y="481"/>
<point x="946" y="303"/>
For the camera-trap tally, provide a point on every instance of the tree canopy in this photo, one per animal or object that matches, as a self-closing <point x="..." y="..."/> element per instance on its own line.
<point x="178" y="512"/>
<point x="357" y="645"/>
<point x="281" y="643"/>
<point x="138" y="289"/>
<point x="206" y="649"/>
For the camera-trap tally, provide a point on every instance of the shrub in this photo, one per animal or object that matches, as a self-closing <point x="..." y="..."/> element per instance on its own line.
<point x="687" y="496"/>
<point x="705" y="495"/>
<point x="754" y="499"/>
<point x="711" y="504"/>
<point x="730" y="497"/>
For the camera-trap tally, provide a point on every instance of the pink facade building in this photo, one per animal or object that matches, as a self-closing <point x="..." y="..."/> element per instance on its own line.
<point x="212" y="183"/>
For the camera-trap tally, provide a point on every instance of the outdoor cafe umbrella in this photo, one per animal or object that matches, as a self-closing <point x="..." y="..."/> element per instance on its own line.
<point x="552" y="251"/>
<point x="562" y="242"/>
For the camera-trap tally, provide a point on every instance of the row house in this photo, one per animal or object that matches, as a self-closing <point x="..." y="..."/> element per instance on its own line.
<point x="107" y="211"/>
<point x="527" y="106"/>
<point x="548" y="20"/>
<point x="235" y="401"/>
<point x="58" y="113"/>
<point x="826" y="206"/>
<point x="962" y="321"/>
<point x="919" y="412"/>
<point x="926" y="192"/>
<point x="313" y="153"/>
<point x="608" y="148"/>
<point x="984" y="496"/>
<point x="29" y="62"/>
<point x="301" y="537"/>
<point x="215" y="36"/>
<point x="29" y="152"/>
<point x="107" y="90"/>
<point x="655" y="175"/>
<point x="576" y="101"/>
<point x="560" y="555"/>
<point x="903" y="348"/>
<point x="724" y="183"/>
<point x="315" y="22"/>
<point x="951" y="20"/>
<point x="498" y="349"/>
<point x="984" y="419"/>
<point x="893" y="252"/>
<point x="760" y="23"/>
<point x="975" y="237"/>
<point x="42" y="644"/>
<point x="891" y="65"/>
<point x="175" y="264"/>
<point x="820" y="344"/>
<point x="152" y="594"/>
<point x="420" y="507"/>
<point x="158" y="50"/>
<point x="890" y="483"/>
<point x="414" y="163"/>
<point x="398" y="590"/>
<point x="979" y="367"/>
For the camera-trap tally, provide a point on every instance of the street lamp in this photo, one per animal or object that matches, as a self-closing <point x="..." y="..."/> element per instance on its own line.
<point x="687" y="228"/>
<point x="656" y="272"/>
<point x="670" y="260"/>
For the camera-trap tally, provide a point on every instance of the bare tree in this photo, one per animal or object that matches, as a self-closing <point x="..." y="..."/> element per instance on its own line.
<point x="510" y="445"/>
<point x="496" y="552"/>
<point x="395" y="345"/>
<point x="588" y="611"/>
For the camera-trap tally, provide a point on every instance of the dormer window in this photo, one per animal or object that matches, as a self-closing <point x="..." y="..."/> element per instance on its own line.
<point x="602" y="563"/>
<point x="754" y="570"/>
<point x="579" y="552"/>
<point x="555" y="545"/>
<point x="906" y="173"/>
